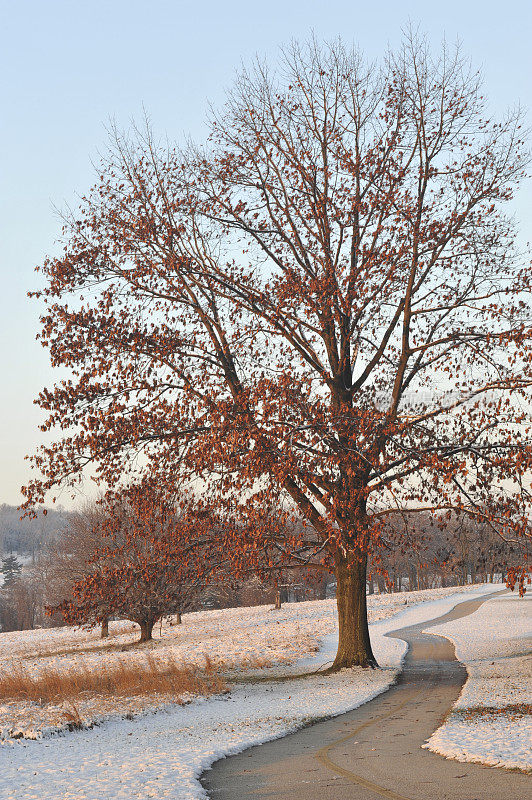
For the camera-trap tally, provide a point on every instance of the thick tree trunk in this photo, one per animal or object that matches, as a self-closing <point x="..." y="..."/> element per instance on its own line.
<point x="105" y="629"/>
<point x="146" y="629"/>
<point x="354" y="646"/>
<point x="178" y="619"/>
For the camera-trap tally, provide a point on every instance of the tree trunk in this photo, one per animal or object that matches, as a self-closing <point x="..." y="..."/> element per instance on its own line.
<point x="354" y="646"/>
<point x="146" y="629"/>
<point x="105" y="629"/>
<point x="411" y="579"/>
<point x="178" y="619"/>
<point x="277" y="600"/>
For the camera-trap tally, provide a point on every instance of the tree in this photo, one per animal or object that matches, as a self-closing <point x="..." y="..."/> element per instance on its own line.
<point x="70" y="560"/>
<point x="322" y="308"/>
<point x="11" y="569"/>
<point x="151" y="561"/>
<point x="20" y="604"/>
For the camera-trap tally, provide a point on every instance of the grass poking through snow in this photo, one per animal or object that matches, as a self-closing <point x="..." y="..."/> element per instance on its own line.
<point x="512" y="712"/>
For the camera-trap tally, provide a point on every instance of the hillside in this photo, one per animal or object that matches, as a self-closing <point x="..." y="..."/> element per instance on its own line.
<point x="27" y="536"/>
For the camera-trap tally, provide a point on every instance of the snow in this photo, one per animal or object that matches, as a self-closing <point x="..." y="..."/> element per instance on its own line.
<point x="491" y="721"/>
<point x="234" y="639"/>
<point x="161" y="755"/>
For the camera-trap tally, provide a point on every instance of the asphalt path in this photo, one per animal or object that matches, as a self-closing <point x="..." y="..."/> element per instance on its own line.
<point x="375" y="751"/>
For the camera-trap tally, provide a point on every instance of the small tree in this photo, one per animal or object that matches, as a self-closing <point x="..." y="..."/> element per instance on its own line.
<point x="151" y="561"/>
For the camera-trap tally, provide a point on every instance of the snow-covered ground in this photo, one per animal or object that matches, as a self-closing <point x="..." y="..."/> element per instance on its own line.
<point x="161" y="755"/>
<point x="491" y="721"/>
<point x="233" y="639"/>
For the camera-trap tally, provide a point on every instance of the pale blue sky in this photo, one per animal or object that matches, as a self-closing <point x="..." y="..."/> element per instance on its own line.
<point x="66" y="67"/>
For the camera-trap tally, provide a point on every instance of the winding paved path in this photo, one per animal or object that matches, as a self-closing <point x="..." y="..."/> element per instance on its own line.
<point x="375" y="750"/>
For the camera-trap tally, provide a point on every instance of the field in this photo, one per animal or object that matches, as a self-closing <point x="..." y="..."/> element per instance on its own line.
<point x="156" y="744"/>
<point x="52" y="678"/>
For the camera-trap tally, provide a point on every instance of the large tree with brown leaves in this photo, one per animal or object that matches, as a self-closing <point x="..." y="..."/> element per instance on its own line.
<point x="325" y="304"/>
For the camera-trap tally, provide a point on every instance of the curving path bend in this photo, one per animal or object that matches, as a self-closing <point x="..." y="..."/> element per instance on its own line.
<point x="375" y="750"/>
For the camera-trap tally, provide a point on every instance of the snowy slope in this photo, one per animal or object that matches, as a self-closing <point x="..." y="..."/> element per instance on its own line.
<point x="161" y="755"/>
<point x="491" y="720"/>
<point x="234" y="638"/>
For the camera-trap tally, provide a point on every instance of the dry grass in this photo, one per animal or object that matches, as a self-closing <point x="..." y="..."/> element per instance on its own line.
<point x="121" y="679"/>
<point x="513" y="712"/>
<point x="255" y="662"/>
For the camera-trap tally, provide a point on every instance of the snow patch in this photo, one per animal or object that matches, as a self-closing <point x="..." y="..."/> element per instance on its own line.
<point x="489" y="722"/>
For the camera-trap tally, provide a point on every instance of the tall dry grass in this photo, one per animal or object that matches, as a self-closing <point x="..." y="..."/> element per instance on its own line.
<point x="120" y="678"/>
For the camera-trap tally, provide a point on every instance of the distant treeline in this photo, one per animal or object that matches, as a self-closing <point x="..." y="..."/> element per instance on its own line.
<point x="29" y="536"/>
